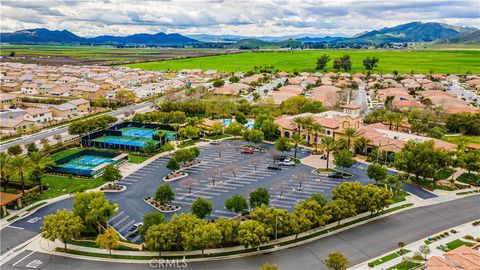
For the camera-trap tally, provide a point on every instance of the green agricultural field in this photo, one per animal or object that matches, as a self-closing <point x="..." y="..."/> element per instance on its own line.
<point x="422" y="61"/>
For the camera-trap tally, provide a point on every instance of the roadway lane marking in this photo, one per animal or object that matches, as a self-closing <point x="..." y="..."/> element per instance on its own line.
<point x="15" y="227"/>
<point x="23" y="258"/>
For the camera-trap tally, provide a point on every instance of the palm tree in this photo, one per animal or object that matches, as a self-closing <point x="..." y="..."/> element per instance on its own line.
<point x="317" y="128"/>
<point x="296" y="140"/>
<point x="390" y="118"/>
<point x="39" y="163"/>
<point x="307" y="123"/>
<point x="299" y="121"/>
<point x="328" y="145"/>
<point x="360" y="144"/>
<point x="20" y="165"/>
<point x="351" y="135"/>
<point x="4" y="172"/>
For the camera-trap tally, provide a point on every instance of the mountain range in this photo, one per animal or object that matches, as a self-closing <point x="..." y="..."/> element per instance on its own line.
<point x="409" y="32"/>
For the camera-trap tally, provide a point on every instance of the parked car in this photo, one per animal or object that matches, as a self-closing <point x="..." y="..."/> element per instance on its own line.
<point x="247" y="151"/>
<point x="274" y="168"/>
<point x="336" y="175"/>
<point x="287" y="162"/>
<point x="214" y="142"/>
<point x="134" y="229"/>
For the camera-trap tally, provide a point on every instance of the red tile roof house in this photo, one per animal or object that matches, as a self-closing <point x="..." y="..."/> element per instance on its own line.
<point x="327" y="94"/>
<point x="461" y="258"/>
<point x="13" y="125"/>
<point x="231" y="89"/>
<point x="38" y="115"/>
<point x="286" y="92"/>
<point x="250" y="79"/>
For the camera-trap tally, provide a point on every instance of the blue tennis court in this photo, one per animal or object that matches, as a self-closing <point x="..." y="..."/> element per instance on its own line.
<point x="138" y="132"/>
<point x="123" y="140"/>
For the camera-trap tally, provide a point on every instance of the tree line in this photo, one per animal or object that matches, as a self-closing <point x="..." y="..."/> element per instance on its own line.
<point x="92" y="124"/>
<point x="344" y="63"/>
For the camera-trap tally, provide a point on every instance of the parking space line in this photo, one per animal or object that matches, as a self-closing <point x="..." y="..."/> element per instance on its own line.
<point x="120" y="221"/>
<point x="130" y="223"/>
<point x="116" y="216"/>
<point x="13" y="265"/>
<point x="136" y="238"/>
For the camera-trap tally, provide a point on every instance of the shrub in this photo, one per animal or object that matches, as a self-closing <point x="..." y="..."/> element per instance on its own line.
<point x="371" y="264"/>
<point x="468" y="237"/>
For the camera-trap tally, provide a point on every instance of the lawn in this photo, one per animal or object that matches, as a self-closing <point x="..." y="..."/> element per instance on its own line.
<point x="469" y="178"/>
<point x="464" y="139"/>
<point x="458" y="243"/>
<point x="422" y="61"/>
<point x="136" y="158"/>
<point x="444" y="173"/>
<point x="65" y="153"/>
<point x="404" y="266"/>
<point x="387" y="258"/>
<point x="330" y="170"/>
<point x="59" y="185"/>
<point x="400" y="197"/>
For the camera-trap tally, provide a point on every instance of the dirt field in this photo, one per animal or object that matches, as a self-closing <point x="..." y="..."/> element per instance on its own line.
<point x="98" y="55"/>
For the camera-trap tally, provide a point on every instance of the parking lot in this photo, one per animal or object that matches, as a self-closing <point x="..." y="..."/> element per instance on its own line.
<point x="285" y="190"/>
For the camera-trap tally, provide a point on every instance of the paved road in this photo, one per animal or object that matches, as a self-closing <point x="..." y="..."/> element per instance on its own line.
<point x="359" y="244"/>
<point x="461" y="92"/>
<point x="59" y="130"/>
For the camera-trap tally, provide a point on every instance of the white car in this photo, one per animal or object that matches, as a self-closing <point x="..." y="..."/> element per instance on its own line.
<point x="287" y="162"/>
<point x="214" y="142"/>
<point x="134" y="229"/>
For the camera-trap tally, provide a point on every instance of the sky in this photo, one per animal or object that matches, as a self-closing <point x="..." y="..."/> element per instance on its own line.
<point x="236" y="17"/>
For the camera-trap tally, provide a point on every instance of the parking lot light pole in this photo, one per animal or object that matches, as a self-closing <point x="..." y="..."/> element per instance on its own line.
<point x="276" y="228"/>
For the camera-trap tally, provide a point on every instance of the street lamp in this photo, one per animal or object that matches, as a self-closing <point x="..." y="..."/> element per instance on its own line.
<point x="276" y="227"/>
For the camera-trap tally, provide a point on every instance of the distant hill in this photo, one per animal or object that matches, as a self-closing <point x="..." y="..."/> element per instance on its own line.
<point x="467" y="38"/>
<point x="248" y="44"/>
<point x="320" y="39"/>
<point x="40" y="35"/>
<point x="412" y="32"/>
<point x="45" y="36"/>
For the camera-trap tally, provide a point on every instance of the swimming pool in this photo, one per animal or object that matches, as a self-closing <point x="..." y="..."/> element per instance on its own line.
<point x="227" y="122"/>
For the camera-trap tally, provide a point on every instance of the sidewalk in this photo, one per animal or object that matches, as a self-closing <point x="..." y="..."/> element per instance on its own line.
<point x="465" y="229"/>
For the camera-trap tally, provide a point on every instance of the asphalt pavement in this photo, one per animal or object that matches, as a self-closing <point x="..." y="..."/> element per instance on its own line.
<point x="358" y="244"/>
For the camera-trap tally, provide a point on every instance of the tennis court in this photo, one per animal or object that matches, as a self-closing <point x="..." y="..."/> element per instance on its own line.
<point x="85" y="164"/>
<point x="137" y="132"/>
<point x="123" y="140"/>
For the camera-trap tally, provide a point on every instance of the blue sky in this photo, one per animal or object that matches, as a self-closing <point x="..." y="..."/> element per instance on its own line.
<point x="247" y="17"/>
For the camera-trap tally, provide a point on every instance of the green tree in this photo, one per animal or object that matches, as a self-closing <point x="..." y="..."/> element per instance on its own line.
<point x="20" y="166"/>
<point x="233" y="79"/>
<point x="258" y="197"/>
<point x="470" y="160"/>
<point x="202" y="237"/>
<point x="328" y="145"/>
<point x="173" y="164"/>
<point x="168" y="147"/>
<point x="253" y="233"/>
<point x="236" y="203"/>
<point x="15" y="150"/>
<point x="270" y="130"/>
<point x="271" y="217"/>
<point x="5" y="173"/>
<point x="229" y="229"/>
<point x="234" y="129"/>
<point x="375" y="199"/>
<point x="349" y="138"/>
<point x="217" y="128"/>
<point x="253" y="135"/>
<point x="377" y="172"/>
<point x="63" y="225"/>
<point x="240" y="118"/>
<point x="267" y="266"/>
<point x="313" y="211"/>
<point x="370" y="63"/>
<point x="336" y="261"/>
<point x="161" y="237"/>
<point x="296" y="140"/>
<point x="340" y="209"/>
<point x="189" y="132"/>
<point x="344" y="158"/>
<point x="93" y="208"/>
<point x="425" y="250"/>
<point x="319" y="198"/>
<point x="108" y="240"/>
<point x="283" y="145"/>
<point x="201" y="207"/>
<point x="149" y="147"/>
<point x="39" y="163"/>
<point x="32" y="147"/>
<point x="149" y="220"/>
<point x="322" y="62"/>
<point x="218" y="83"/>
<point x="164" y="194"/>
<point x="111" y="174"/>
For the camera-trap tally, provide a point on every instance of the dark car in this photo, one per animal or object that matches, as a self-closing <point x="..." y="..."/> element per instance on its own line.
<point x="274" y="168"/>
<point x="335" y="175"/>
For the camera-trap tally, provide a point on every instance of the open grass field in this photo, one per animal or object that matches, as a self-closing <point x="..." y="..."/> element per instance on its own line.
<point x="463" y="140"/>
<point x="105" y="55"/>
<point x="422" y="61"/>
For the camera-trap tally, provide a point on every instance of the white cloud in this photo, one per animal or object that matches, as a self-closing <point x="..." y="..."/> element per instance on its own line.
<point x="249" y="17"/>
